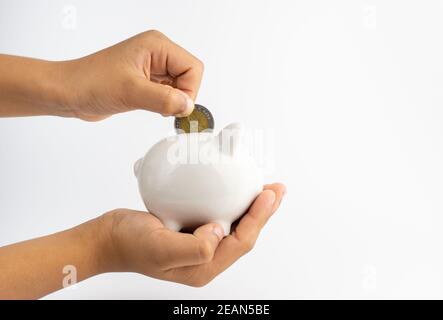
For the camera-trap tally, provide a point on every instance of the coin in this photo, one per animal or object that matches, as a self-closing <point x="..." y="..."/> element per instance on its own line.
<point x="199" y="120"/>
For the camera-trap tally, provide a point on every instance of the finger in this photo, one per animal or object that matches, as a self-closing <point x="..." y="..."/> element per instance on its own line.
<point x="182" y="249"/>
<point x="245" y="235"/>
<point x="160" y="98"/>
<point x="280" y="191"/>
<point x="185" y="68"/>
<point x="232" y="247"/>
<point x="253" y="221"/>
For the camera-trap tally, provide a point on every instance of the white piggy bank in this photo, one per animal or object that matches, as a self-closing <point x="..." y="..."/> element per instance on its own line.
<point x="192" y="179"/>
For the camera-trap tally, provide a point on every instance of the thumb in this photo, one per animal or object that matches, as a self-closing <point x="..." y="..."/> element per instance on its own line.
<point x="161" y="98"/>
<point x="209" y="236"/>
<point x="183" y="249"/>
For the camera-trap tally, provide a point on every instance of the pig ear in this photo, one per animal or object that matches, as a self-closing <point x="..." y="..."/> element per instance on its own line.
<point x="229" y="138"/>
<point x="137" y="166"/>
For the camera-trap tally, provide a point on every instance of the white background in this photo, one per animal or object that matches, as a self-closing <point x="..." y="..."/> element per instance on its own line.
<point x="351" y="89"/>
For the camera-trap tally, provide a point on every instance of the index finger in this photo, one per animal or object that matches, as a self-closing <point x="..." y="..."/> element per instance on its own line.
<point x="185" y="68"/>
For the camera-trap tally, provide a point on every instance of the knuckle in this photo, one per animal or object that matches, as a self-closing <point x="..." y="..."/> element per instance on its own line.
<point x="155" y="33"/>
<point x="205" y="251"/>
<point x="112" y="212"/>
<point x="200" y="65"/>
<point x="114" y="216"/>
<point x="169" y="106"/>
<point x="199" y="277"/>
<point x="198" y="282"/>
<point x="248" y="245"/>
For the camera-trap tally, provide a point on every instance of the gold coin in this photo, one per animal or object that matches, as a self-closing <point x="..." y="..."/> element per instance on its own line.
<point x="199" y="120"/>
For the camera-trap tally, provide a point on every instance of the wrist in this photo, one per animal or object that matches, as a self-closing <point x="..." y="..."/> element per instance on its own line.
<point x="33" y="87"/>
<point x="94" y="240"/>
<point x="107" y="258"/>
<point x="58" y="89"/>
<point x="80" y="95"/>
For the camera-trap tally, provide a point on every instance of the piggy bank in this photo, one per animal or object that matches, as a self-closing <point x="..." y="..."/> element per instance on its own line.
<point x="191" y="179"/>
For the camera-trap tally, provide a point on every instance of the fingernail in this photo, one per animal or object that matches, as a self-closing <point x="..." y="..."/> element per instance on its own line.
<point x="218" y="231"/>
<point x="271" y="199"/>
<point x="188" y="105"/>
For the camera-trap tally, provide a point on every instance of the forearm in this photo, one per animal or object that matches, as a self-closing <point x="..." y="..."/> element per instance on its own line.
<point x="34" y="268"/>
<point x="30" y="87"/>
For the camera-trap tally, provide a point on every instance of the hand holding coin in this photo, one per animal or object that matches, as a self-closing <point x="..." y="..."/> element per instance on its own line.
<point x="147" y="71"/>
